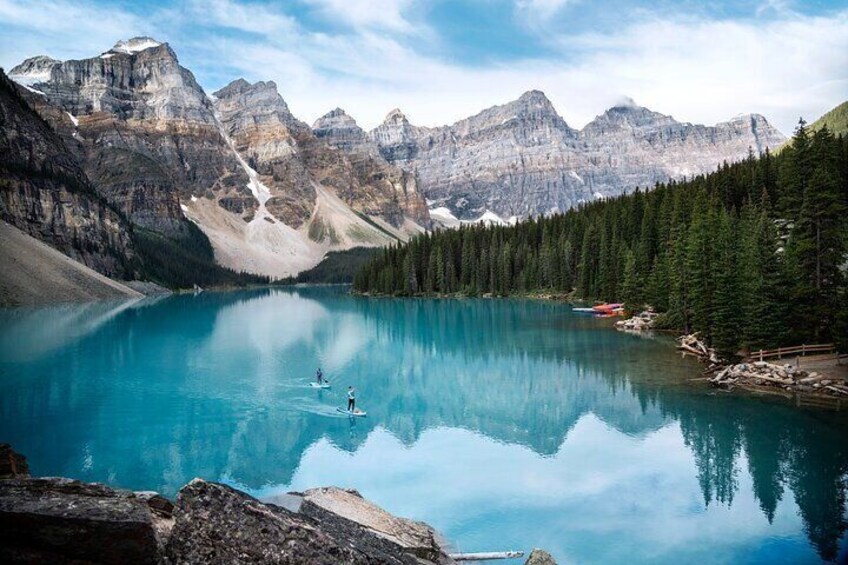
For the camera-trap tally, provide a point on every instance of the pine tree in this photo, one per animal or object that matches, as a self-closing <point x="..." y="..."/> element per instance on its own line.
<point x="726" y="334"/>
<point x="763" y="301"/>
<point x="816" y="245"/>
<point x="631" y="290"/>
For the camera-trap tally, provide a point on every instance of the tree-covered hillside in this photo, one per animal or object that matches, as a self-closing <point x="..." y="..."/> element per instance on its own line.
<point x="752" y="255"/>
<point x="836" y="120"/>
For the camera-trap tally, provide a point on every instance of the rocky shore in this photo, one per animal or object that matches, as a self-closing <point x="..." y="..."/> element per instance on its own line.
<point x="761" y="375"/>
<point x="786" y="377"/>
<point x="641" y="322"/>
<point x="59" y="520"/>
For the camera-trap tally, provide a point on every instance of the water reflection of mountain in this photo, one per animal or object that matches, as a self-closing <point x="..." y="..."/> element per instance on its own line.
<point x="109" y="405"/>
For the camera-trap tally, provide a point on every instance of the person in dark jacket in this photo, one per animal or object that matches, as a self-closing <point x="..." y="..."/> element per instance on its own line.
<point x="351" y="399"/>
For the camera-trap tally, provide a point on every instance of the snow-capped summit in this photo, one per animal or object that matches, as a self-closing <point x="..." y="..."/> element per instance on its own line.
<point x="134" y="45"/>
<point x="33" y="70"/>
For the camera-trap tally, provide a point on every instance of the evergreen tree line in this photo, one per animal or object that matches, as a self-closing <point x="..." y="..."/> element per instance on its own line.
<point x="184" y="262"/>
<point x="752" y="255"/>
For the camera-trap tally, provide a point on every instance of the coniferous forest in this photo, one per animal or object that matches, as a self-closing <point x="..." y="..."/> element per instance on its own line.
<point x="752" y="256"/>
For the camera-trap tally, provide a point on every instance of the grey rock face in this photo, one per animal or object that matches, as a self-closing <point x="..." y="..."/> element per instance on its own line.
<point x="60" y="520"/>
<point x="265" y="134"/>
<point x="345" y="514"/>
<point x="387" y="190"/>
<point x="54" y="520"/>
<point x="522" y="159"/>
<point x="290" y="157"/>
<point x="34" y="70"/>
<point x="45" y="193"/>
<point x="148" y="131"/>
<point x="342" y="131"/>
<point x="397" y="138"/>
<point x="540" y="557"/>
<point x="215" y="523"/>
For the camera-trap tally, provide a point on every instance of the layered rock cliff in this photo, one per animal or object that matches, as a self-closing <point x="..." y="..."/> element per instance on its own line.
<point x="148" y="129"/>
<point x="274" y="195"/>
<point x="45" y="193"/>
<point x="270" y="195"/>
<point x="522" y="159"/>
<point x="384" y="189"/>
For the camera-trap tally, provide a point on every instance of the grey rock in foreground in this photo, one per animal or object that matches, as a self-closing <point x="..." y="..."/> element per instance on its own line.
<point x="540" y="557"/>
<point x="57" y="520"/>
<point x="215" y="523"/>
<point x="53" y="520"/>
<point x="345" y="514"/>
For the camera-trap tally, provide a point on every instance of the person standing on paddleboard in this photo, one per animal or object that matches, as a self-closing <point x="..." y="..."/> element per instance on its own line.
<point x="351" y="399"/>
<point x="320" y="375"/>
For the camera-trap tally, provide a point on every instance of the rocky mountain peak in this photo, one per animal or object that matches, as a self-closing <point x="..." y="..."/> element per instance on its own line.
<point x="265" y="89"/>
<point x="34" y="70"/>
<point x="259" y="98"/>
<point x="535" y="97"/>
<point x="396" y="137"/>
<point x="335" y="121"/>
<point x="755" y="127"/>
<point x="134" y="45"/>
<point x="530" y="115"/>
<point x="139" y="78"/>
<point x="626" y="116"/>
<point x="533" y="104"/>
<point x="395" y="118"/>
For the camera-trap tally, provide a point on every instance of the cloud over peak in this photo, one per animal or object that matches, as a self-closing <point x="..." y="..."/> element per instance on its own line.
<point x="369" y="56"/>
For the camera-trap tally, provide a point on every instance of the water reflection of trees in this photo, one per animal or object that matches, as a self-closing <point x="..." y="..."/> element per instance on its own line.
<point x="784" y="446"/>
<point x="511" y="378"/>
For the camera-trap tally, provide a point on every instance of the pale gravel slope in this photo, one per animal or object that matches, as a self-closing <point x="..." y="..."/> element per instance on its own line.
<point x="32" y="272"/>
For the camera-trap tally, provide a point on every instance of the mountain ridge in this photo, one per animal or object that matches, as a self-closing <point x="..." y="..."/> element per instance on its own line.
<point x="274" y="194"/>
<point x="270" y="196"/>
<point x="522" y="159"/>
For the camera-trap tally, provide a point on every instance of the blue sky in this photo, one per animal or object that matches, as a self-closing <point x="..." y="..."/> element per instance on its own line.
<point x="441" y="60"/>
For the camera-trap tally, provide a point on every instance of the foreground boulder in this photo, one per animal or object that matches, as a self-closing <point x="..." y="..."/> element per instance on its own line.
<point x="215" y="523"/>
<point x="56" y="520"/>
<point x="345" y="514"/>
<point x="540" y="557"/>
<point x="52" y="520"/>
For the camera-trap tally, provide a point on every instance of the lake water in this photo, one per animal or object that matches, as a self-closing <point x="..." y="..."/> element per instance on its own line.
<point x="505" y="424"/>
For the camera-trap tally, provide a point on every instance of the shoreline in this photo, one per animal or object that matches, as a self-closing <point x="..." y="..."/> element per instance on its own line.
<point x="801" y="396"/>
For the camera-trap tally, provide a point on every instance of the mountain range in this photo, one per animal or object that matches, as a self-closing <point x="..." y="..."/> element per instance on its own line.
<point x="148" y="150"/>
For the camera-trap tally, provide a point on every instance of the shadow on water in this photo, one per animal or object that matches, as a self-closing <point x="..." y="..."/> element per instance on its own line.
<point x="150" y="394"/>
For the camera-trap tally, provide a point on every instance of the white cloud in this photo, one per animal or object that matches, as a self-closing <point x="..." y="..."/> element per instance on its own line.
<point x="697" y="70"/>
<point x="250" y="17"/>
<point x="541" y="8"/>
<point x="61" y="29"/>
<point x="381" y="14"/>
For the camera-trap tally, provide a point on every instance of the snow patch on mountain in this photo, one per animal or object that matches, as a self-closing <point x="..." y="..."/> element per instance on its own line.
<point x="34" y="70"/>
<point x="442" y="216"/>
<point x="134" y="45"/>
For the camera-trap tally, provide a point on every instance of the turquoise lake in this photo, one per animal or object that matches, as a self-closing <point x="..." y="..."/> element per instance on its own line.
<point x="505" y="424"/>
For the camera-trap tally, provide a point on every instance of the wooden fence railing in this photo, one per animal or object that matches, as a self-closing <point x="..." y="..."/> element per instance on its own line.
<point x="798" y="350"/>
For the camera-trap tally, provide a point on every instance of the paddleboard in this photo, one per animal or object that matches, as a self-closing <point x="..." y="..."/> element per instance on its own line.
<point x="349" y="413"/>
<point x="583" y="310"/>
<point x="322" y="385"/>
